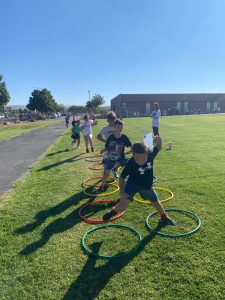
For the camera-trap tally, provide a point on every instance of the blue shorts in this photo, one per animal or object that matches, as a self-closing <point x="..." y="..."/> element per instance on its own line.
<point x="110" y="164"/>
<point x="146" y="194"/>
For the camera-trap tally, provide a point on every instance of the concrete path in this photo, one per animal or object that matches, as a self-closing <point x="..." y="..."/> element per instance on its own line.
<point x="18" y="153"/>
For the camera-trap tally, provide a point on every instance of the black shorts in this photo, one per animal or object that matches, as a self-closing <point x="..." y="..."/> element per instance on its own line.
<point x="75" y="136"/>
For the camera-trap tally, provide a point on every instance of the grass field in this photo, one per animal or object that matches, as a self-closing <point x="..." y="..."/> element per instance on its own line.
<point x="40" y="230"/>
<point x="14" y="129"/>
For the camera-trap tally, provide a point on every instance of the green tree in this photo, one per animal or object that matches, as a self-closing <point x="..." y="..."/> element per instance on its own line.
<point x="77" y="109"/>
<point x="96" y="101"/>
<point x="4" y="94"/>
<point x="42" y="100"/>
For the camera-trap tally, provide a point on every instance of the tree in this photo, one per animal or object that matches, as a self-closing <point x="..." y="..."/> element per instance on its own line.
<point x="77" y="109"/>
<point x="96" y="101"/>
<point x="4" y="94"/>
<point x="42" y="100"/>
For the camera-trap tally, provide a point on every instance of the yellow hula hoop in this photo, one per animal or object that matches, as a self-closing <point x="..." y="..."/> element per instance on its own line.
<point x="86" y="184"/>
<point x="140" y="200"/>
<point x="93" y="167"/>
<point x="102" y="194"/>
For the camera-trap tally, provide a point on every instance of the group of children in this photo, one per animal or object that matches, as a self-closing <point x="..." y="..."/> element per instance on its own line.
<point x="138" y="169"/>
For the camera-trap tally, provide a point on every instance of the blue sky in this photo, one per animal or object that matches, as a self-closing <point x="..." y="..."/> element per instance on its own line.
<point x="111" y="47"/>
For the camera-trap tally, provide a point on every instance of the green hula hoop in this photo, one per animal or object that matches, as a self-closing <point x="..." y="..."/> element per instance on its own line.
<point x="89" y="251"/>
<point x="102" y="194"/>
<point x="185" y="212"/>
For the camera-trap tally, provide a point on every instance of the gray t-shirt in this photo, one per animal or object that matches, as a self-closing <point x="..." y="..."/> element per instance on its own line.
<point x="106" y="131"/>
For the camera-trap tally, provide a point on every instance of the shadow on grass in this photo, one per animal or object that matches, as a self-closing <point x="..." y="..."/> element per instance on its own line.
<point x="58" y="152"/>
<point x="57" y="226"/>
<point x="93" y="279"/>
<point x="68" y="160"/>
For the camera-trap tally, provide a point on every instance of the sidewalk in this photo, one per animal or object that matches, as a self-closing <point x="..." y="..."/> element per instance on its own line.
<point x="18" y="153"/>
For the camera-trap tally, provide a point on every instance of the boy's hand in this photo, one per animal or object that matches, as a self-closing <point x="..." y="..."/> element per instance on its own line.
<point x="158" y="142"/>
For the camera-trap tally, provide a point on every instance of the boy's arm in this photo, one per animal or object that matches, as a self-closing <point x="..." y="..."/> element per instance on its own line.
<point x="158" y="142"/>
<point x="100" y="138"/>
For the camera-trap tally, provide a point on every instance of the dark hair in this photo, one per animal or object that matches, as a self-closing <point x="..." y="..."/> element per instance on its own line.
<point x="118" y="122"/>
<point x="140" y="147"/>
<point x="85" y="117"/>
<point x="156" y="104"/>
<point x="111" y="115"/>
<point x="74" y="123"/>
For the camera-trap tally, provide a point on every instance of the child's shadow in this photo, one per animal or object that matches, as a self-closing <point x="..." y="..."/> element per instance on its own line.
<point x="57" y="226"/>
<point x="93" y="279"/>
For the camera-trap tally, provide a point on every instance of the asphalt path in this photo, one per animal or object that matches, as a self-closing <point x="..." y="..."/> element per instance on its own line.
<point x="17" y="154"/>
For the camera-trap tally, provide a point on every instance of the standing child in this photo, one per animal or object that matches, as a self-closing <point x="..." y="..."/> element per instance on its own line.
<point x="67" y="120"/>
<point x="76" y="132"/>
<point x="106" y="131"/>
<point x="155" y="118"/>
<point x="114" y="146"/>
<point x="86" y="127"/>
<point x="139" y="171"/>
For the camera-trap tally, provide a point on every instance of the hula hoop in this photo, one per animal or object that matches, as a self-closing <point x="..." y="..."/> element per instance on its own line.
<point x="98" y="221"/>
<point x="185" y="212"/>
<point x="102" y="194"/>
<point x="109" y="181"/>
<point x="91" y="159"/>
<point x="158" y="189"/>
<point x="92" y="167"/>
<point x="134" y="231"/>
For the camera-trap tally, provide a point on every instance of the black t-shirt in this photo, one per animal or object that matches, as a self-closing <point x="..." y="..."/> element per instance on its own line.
<point x="141" y="176"/>
<point x="115" y="146"/>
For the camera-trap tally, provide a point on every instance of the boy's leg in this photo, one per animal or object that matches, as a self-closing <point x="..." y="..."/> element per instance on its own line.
<point x="150" y="194"/>
<point x="91" y="143"/>
<point x="86" y="143"/>
<point x="126" y="198"/>
<point x="108" y="165"/>
<point x="78" y="142"/>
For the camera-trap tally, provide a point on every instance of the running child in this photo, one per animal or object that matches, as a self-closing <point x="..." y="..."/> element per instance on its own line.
<point x="139" y="171"/>
<point x="114" y="148"/>
<point x="76" y="132"/>
<point x="86" y="128"/>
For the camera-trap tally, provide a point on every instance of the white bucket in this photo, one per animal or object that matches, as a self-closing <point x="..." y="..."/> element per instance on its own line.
<point x="170" y="145"/>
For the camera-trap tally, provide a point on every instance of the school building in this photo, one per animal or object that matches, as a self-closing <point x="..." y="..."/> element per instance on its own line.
<point x="140" y="105"/>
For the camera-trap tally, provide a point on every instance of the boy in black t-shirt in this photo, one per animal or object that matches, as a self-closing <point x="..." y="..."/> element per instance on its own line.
<point x="114" y="148"/>
<point x="140" y="171"/>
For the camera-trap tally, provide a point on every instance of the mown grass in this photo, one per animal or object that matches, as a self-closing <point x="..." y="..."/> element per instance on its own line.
<point x="15" y="129"/>
<point x="40" y="251"/>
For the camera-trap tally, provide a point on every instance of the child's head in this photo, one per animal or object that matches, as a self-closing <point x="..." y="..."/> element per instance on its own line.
<point x="73" y="123"/>
<point x="140" y="153"/>
<point x="86" y="117"/>
<point x="111" y="117"/>
<point x="156" y="106"/>
<point x="118" y="125"/>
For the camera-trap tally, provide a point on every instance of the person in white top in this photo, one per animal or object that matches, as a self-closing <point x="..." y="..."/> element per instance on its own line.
<point x="155" y="118"/>
<point x="109" y="129"/>
<point x="86" y="127"/>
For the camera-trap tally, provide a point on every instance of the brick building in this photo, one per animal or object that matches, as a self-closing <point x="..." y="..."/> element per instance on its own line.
<point x="140" y="105"/>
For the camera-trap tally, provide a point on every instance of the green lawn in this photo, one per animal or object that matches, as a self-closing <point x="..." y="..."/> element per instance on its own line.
<point x="14" y="129"/>
<point x="40" y="230"/>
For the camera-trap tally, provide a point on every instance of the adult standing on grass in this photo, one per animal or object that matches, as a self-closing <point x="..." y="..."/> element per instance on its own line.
<point x="155" y="118"/>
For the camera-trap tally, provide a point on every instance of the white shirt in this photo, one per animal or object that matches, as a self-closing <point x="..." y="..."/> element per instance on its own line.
<point x="107" y="131"/>
<point x="87" y="127"/>
<point x="155" y="118"/>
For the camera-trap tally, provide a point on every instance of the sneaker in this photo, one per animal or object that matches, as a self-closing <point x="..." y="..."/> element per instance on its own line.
<point x="167" y="221"/>
<point x="87" y="150"/>
<point x="102" y="189"/>
<point x="115" y="174"/>
<point x="109" y="215"/>
<point x="92" y="149"/>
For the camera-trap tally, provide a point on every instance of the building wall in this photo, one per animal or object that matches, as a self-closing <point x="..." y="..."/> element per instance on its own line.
<point x="132" y="105"/>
